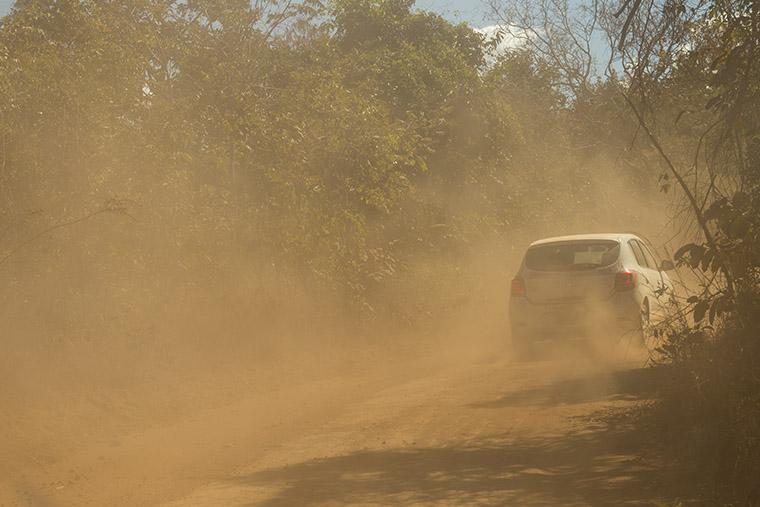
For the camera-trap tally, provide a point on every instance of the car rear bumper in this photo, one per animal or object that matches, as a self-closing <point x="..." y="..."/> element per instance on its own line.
<point x="614" y="316"/>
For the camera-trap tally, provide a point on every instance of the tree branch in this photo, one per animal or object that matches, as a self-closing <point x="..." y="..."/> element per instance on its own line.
<point x="112" y="206"/>
<point x="695" y="206"/>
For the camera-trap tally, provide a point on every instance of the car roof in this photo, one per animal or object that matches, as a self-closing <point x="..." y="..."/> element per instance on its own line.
<point x="619" y="236"/>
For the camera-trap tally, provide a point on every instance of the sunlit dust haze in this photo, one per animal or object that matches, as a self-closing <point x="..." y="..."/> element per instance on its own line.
<point x="262" y="254"/>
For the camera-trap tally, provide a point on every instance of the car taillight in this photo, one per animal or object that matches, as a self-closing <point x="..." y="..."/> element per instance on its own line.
<point x="518" y="288"/>
<point x="625" y="280"/>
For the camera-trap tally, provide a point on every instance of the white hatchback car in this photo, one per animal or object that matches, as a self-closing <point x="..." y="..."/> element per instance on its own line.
<point x="572" y="286"/>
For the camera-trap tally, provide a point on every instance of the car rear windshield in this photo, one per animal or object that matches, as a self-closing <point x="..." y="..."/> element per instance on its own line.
<point x="572" y="255"/>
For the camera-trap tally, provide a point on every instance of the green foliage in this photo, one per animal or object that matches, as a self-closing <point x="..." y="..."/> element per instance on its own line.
<point x="340" y="146"/>
<point x="311" y="141"/>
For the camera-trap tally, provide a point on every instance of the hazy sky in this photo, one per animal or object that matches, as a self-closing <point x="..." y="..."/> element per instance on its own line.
<point x="471" y="11"/>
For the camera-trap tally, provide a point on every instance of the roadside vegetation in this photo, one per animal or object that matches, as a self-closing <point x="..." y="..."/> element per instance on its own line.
<point x="357" y="152"/>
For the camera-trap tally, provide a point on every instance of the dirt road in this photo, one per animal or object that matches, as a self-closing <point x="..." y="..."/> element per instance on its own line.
<point x="488" y="433"/>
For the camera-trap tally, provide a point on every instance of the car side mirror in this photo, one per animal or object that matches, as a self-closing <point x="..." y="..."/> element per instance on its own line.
<point x="667" y="265"/>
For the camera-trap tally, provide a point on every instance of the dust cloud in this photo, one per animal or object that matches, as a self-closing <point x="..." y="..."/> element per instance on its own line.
<point x="97" y="347"/>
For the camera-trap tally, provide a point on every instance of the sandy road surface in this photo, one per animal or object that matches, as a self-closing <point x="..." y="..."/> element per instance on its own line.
<point x="496" y="433"/>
